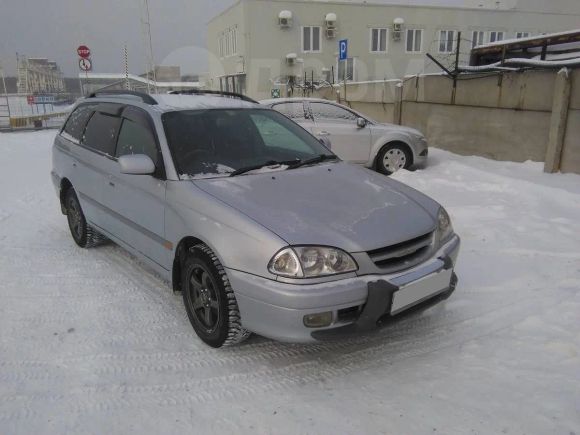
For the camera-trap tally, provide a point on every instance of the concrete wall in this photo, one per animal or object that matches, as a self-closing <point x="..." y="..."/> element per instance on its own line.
<point x="503" y="117"/>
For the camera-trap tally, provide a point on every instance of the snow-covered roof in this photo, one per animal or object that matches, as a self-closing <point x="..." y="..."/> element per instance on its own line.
<point x="528" y="39"/>
<point x="168" y="102"/>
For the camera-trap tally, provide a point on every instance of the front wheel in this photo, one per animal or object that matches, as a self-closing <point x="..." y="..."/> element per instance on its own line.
<point x="393" y="157"/>
<point x="209" y="299"/>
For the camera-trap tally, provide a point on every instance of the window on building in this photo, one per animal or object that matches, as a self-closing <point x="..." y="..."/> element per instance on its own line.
<point x="311" y="39"/>
<point x="378" y="40"/>
<point x="350" y="69"/>
<point x="477" y="38"/>
<point x="101" y="133"/>
<point x="446" y="41"/>
<point x="234" y="41"/>
<point x="414" y="40"/>
<point x="221" y="45"/>
<point x="520" y="35"/>
<point x="495" y="36"/>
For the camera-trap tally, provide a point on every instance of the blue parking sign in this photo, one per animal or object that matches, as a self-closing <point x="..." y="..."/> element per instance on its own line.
<point x="343" y="49"/>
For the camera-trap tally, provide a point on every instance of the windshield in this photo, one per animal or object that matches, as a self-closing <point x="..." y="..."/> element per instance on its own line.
<point x="217" y="142"/>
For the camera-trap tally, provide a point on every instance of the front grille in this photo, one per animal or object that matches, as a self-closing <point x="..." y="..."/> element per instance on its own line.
<point x="402" y="255"/>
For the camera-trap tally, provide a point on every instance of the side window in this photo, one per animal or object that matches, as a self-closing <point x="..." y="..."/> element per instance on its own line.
<point x="293" y="111"/>
<point x="77" y="121"/>
<point x="275" y="135"/>
<point x="101" y="133"/>
<point x="135" y="138"/>
<point x="332" y="112"/>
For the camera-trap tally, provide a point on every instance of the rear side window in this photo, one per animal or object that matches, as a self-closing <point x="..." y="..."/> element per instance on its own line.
<point x="330" y="111"/>
<point x="135" y="138"/>
<point x="77" y="121"/>
<point x="101" y="133"/>
<point x="293" y="111"/>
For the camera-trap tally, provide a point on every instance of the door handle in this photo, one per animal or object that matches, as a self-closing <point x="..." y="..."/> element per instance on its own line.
<point x="74" y="164"/>
<point x="323" y="133"/>
<point x="111" y="184"/>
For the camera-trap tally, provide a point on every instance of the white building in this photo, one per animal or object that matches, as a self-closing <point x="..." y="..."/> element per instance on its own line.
<point x="259" y="45"/>
<point x="39" y="75"/>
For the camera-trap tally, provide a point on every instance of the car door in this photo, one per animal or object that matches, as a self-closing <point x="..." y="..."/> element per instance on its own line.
<point x="349" y="141"/>
<point x="297" y="112"/>
<point x="96" y="147"/>
<point x="136" y="203"/>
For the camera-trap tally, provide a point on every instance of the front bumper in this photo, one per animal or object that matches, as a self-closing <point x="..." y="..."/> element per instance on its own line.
<point x="276" y="309"/>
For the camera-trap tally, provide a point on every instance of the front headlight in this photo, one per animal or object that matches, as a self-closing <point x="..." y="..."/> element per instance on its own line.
<point x="444" y="227"/>
<point x="311" y="261"/>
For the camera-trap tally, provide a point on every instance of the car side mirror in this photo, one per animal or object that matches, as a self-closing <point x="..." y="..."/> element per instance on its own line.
<point x="136" y="164"/>
<point x="361" y="122"/>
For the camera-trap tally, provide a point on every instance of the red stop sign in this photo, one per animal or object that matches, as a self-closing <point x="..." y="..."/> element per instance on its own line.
<point x="83" y="51"/>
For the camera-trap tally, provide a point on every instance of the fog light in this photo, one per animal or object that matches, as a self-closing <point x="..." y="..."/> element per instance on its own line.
<point x="318" y="320"/>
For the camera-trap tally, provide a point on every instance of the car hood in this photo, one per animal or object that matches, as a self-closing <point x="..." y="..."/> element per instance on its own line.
<point x="333" y="204"/>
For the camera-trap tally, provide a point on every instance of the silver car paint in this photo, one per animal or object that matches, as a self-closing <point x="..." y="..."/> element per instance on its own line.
<point x="245" y="220"/>
<point x="375" y="134"/>
<point x="336" y="204"/>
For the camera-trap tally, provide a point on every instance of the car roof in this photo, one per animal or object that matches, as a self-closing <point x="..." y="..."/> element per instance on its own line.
<point x="175" y="102"/>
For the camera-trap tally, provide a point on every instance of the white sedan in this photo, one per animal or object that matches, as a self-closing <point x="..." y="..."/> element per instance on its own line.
<point x="355" y="137"/>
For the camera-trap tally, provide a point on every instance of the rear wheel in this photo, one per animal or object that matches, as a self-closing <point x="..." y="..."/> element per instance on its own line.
<point x="209" y="299"/>
<point x="83" y="234"/>
<point x="393" y="157"/>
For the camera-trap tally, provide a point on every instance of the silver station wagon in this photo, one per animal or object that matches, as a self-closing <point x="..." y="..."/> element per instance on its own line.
<point x="259" y="225"/>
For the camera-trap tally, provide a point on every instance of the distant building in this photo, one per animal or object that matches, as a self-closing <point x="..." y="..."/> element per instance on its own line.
<point x="39" y="75"/>
<point x="168" y="79"/>
<point x="259" y="45"/>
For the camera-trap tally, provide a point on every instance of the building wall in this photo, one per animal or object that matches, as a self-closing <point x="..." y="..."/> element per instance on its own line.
<point x="264" y="45"/>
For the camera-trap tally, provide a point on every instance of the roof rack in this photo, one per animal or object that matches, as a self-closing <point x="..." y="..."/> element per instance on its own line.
<point x="146" y="98"/>
<point x="208" y="92"/>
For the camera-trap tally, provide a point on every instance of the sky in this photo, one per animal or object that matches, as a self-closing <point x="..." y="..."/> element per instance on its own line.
<point x="55" y="28"/>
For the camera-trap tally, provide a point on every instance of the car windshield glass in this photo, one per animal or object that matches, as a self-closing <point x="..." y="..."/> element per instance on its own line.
<point x="217" y="142"/>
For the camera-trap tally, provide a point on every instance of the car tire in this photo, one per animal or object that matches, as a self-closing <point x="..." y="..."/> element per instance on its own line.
<point x="82" y="233"/>
<point x="209" y="299"/>
<point x="392" y="157"/>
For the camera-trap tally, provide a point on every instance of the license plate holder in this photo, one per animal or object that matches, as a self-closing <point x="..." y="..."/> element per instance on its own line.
<point x="420" y="290"/>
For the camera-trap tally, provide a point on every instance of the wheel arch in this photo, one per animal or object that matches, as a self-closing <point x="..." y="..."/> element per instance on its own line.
<point x="65" y="185"/>
<point x="401" y="142"/>
<point x="181" y="250"/>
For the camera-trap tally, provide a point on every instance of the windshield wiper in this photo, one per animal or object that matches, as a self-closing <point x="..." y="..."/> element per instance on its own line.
<point x="261" y="165"/>
<point x="318" y="159"/>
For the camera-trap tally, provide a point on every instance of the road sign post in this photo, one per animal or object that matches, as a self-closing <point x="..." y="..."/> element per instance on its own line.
<point x="343" y="57"/>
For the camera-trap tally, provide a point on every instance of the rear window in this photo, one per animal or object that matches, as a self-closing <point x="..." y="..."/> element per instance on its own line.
<point x="101" y="133"/>
<point x="76" y="122"/>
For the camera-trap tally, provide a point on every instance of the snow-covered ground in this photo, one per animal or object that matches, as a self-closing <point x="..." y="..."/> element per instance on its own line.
<point x="91" y="342"/>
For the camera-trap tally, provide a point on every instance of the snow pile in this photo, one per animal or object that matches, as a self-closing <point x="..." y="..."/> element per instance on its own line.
<point x="91" y="342"/>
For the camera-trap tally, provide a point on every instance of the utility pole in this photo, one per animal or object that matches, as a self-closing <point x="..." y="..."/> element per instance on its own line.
<point x="147" y="25"/>
<point x="126" y="70"/>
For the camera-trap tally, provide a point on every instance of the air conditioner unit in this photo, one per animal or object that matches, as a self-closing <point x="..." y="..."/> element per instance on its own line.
<point x="397" y="28"/>
<point x="291" y="59"/>
<point x="330" y="20"/>
<point x="331" y="33"/>
<point x="285" y="19"/>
